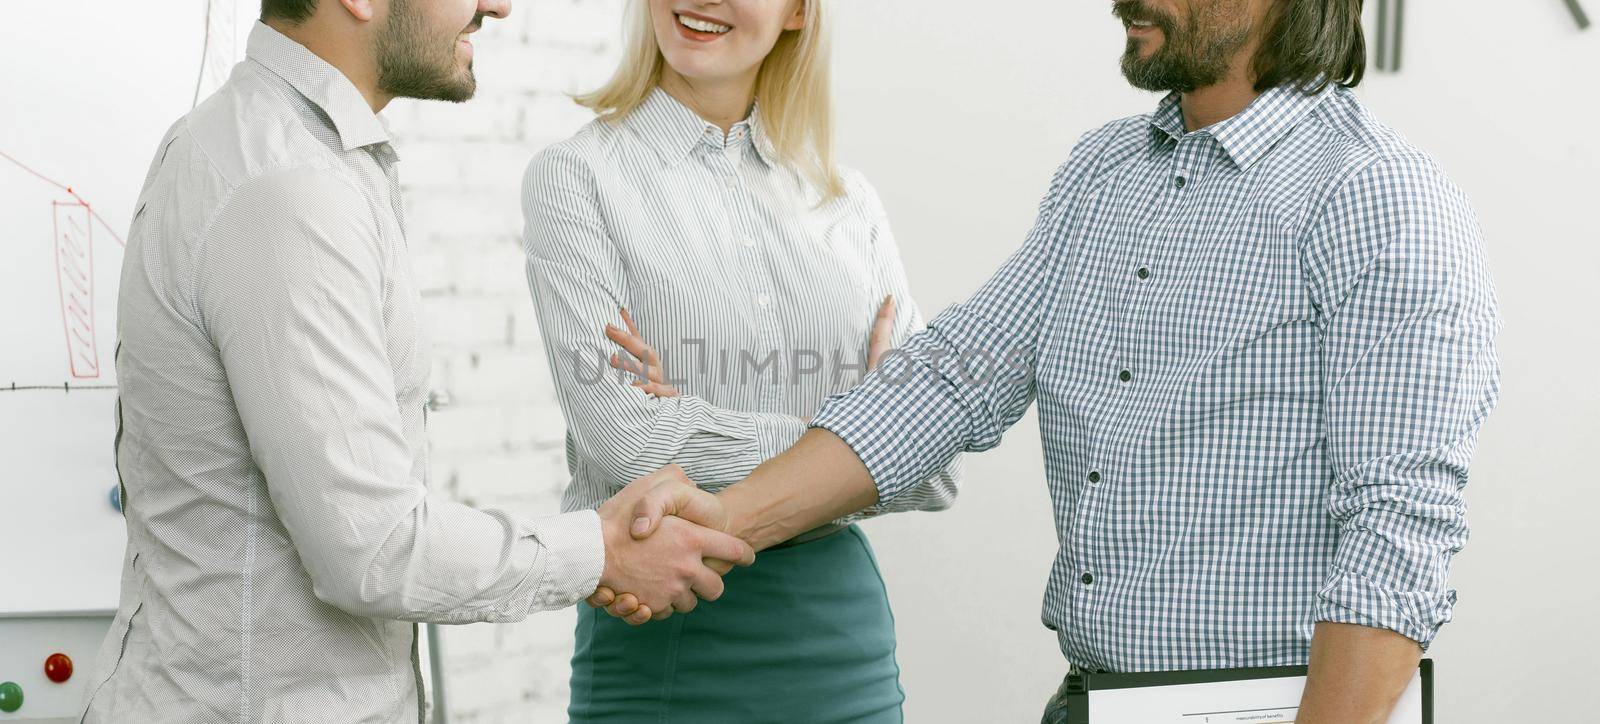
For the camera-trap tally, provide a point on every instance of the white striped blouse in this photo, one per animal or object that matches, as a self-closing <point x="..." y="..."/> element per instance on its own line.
<point x="759" y="300"/>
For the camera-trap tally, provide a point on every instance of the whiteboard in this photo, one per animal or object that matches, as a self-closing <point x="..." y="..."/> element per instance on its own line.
<point x="87" y="95"/>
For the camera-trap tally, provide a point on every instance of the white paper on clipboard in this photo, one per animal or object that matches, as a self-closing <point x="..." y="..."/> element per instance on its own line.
<point x="1247" y="701"/>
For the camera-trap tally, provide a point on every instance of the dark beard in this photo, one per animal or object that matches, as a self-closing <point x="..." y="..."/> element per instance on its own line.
<point x="412" y="64"/>
<point x="1197" y="56"/>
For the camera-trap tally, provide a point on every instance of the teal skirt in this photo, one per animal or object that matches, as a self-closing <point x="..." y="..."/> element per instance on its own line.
<point x="804" y="635"/>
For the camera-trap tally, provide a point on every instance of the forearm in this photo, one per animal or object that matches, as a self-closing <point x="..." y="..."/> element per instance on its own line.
<point x="620" y="429"/>
<point x="1357" y="673"/>
<point x="818" y="480"/>
<point x="632" y="438"/>
<point x="629" y="434"/>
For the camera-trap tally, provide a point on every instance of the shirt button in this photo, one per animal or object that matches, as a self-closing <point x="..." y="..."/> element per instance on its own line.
<point x="747" y="241"/>
<point x="1125" y="375"/>
<point x="1181" y="182"/>
<point x="1087" y="578"/>
<point x="1144" y="272"/>
<point x="763" y="300"/>
<point x="1094" y="476"/>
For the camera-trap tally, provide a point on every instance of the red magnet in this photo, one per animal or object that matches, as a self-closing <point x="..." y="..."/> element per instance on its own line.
<point x="58" y="668"/>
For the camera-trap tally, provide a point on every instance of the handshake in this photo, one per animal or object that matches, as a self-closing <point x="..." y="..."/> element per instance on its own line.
<point x="665" y="548"/>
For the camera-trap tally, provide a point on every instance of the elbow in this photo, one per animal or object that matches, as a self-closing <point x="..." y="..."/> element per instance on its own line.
<point x="355" y="592"/>
<point x="942" y="502"/>
<point x="940" y="494"/>
<point x="345" y="592"/>
<point x="362" y="581"/>
<point x="933" y="495"/>
<point x="381" y="575"/>
<point x="947" y="485"/>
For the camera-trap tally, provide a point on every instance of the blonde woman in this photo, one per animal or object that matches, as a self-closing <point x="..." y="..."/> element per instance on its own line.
<point x="704" y="200"/>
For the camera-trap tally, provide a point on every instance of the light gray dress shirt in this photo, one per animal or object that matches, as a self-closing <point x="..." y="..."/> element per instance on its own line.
<point x="273" y="371"/>
<point x="760" y="299"/>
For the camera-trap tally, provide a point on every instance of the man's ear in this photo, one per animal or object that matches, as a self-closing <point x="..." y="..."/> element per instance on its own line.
<point x="359" y="9"/>
<point x="797" y="21"/>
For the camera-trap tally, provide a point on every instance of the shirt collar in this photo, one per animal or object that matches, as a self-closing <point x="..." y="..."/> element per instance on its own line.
<point x="1249" y="134"/>
<point x="674" y="130"/>
<point x="320" y="83"/>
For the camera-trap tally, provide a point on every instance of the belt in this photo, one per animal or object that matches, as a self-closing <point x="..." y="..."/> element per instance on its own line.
<point x="815" y="534"/>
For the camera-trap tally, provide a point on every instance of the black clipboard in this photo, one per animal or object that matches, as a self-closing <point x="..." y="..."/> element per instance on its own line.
<point x="1081" y="685"/>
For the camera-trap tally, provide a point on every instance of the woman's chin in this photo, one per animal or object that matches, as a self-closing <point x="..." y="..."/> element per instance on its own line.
<point x="694" y="67"/>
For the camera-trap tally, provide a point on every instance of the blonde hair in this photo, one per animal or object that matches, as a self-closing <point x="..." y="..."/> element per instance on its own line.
<point x="793" y="88"/>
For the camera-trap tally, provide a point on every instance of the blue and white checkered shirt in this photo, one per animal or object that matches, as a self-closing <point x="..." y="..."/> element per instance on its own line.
<point x="1262" y="352"/>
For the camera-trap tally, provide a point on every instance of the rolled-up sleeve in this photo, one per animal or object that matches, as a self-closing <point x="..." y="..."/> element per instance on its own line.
<point x="577" y="280"/>
<point x="939" y="490"/>
<point x="296" y="310"/>
<point x="1408" y="316"/>
<point x="959" y="384"/>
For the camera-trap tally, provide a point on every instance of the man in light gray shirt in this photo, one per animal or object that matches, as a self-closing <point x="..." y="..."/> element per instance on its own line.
<point x="271" y="434"/>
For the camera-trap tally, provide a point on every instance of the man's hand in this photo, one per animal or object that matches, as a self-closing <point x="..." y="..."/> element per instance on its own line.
<point x="672" y="569"/>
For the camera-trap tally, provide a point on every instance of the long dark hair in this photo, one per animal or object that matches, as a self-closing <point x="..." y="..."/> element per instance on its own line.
<point x="1309" y="44"/>
<point x="293" y="12"/>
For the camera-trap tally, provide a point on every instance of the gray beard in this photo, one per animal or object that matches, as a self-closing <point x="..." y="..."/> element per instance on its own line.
<point x="1183" y="65"/>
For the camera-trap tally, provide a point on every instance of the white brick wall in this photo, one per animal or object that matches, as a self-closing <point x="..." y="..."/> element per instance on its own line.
<point x="499" y="443"/>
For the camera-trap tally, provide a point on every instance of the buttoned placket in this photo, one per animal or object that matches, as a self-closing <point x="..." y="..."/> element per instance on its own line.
<point x="1182" y="173"/>
<point x="727" y="154"/>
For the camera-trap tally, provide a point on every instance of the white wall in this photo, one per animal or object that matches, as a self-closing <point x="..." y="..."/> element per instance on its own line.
<point x="959" y="113"/>
<point x="499" y="443"/>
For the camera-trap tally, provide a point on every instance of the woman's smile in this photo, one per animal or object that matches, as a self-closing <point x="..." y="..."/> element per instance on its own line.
<point x="700" y="28"/>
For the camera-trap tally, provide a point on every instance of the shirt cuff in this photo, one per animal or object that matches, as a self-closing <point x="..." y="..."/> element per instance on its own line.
<point x="573" y="551"/>
<point x="716" y="447"/>
<point x="1348" y="597"/>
